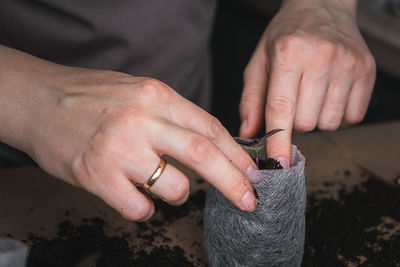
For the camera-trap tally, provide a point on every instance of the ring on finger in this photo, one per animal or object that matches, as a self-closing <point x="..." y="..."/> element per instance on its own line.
<point x="156" y="174"/>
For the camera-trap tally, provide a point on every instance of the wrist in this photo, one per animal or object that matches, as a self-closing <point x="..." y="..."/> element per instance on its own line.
<point x="22" y="87"/>
<point x="348" y="6"/>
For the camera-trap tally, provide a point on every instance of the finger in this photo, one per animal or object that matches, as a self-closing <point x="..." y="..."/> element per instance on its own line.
<point x="122" y="195"/>
<point x="359" y="98"/>
<point x="200" y="154"/>
<point x="252" y="102"/>
<point x="334" y="105"/>
<point x="279" y="112"/>
<point x="172" y="186"/>
<point x="311" y="94"/>
<point x="187" y="115"/>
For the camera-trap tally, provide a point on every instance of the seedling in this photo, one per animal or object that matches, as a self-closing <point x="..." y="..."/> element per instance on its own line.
<point x="253" y="146"/>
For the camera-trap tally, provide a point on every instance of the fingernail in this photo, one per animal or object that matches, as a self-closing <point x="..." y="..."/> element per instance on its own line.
<point x="249" y="201"/>
<point x="283" y="161"/>
<point x="243" y="127"/>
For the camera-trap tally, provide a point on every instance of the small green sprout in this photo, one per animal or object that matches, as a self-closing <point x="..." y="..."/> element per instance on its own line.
<point x="254" y="146"/>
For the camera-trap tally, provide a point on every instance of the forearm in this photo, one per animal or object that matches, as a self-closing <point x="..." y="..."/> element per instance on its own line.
<point x="22" y="79"/>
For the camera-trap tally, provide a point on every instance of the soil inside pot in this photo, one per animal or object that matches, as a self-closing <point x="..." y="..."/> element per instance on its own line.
<point x="269" y="164"/>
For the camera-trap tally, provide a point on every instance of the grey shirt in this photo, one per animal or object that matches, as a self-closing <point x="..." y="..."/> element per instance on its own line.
<point x="164" y="39"/>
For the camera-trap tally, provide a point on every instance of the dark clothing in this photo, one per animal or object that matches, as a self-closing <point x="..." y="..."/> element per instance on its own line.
<point x="164" y="39"/>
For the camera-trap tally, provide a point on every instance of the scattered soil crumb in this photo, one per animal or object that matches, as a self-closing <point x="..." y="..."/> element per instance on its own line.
<point x="172" y="213"/>
<point x="88" y="245"/>
<point x="352" y="226"/>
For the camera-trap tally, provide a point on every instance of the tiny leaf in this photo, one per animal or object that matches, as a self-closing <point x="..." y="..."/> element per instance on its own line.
<point x="255" y="145"/>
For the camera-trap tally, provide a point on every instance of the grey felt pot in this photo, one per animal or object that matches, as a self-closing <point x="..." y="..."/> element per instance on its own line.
<point x="13" y="253"/>
<point x="271" y="235"/>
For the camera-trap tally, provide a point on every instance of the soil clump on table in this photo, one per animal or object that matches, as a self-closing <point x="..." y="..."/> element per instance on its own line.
<point x="362" y="228"/>
<point x="88" y="245"/>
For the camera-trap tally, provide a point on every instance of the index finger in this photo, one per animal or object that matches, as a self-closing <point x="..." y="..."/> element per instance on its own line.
<point x="200" y="154"/>
<point x="280" y="111"/>
<point x="190" y="116"/>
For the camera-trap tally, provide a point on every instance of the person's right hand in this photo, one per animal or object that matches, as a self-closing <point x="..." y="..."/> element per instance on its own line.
<point x="105" y="131"/>
<point x="311" y="68"/>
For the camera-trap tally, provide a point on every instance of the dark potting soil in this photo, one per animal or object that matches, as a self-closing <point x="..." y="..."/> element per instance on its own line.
<point x="172" y="213"/>
<point x="338" y="233"/>
<point x="269" y="164"/>
<point x="88" y="245"/>
<point x="342" y="232"/>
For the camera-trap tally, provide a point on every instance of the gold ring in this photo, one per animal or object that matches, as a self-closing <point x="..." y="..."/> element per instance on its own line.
<point x="156" y="174"/>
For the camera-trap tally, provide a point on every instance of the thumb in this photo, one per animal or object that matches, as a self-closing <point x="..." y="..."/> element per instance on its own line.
<point x="252" y="102"/>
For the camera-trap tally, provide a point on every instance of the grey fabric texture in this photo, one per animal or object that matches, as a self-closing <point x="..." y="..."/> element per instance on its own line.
<point x="273" y="234"/>
<point x="13" y="253"/>
<point x="166" y="40"/>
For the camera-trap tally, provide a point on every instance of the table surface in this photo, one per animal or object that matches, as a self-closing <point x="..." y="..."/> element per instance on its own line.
<point x="343" y="167"/>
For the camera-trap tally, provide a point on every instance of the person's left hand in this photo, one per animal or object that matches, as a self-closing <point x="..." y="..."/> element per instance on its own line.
<point x="311" y="68"/>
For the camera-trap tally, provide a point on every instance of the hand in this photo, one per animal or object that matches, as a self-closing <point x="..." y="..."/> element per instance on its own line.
<point x="105" y="131"/>
<point x="318" y="71"/>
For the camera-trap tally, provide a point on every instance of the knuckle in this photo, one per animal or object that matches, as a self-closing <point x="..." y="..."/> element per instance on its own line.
<point x="105" y="142"/>
<point x="81" y="170"/>
<point x="350" y="61"/>
<point x="326" y="47"/>
<point x="180" y="191"/>
<point x="304" y="125"/>
<point x="288" y="48"/>
<point x="130" y="117"/>
<point x="354" y="117"/>
<point x="150" y="84"/>
<point x="90" y="173"/>
<point x="280" y="106"/>
<point x="370" y="64"/>
<point x="325" y="51"/>
<point x="328" y="125"/>
<point x="289" y="42"/>
<point x="214" y="130"/>
<point x="140" y="213"/>
<point x="249" y="102"/>
<point x="199" y="149"/>
<point x="100" y="149"/>
<point x="152" y="89"/>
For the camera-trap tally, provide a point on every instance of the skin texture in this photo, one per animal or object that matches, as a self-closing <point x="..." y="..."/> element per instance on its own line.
<point x="105" y="131"/>
<point x="310" y="69"/>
